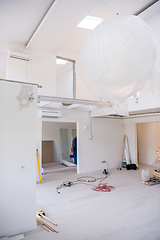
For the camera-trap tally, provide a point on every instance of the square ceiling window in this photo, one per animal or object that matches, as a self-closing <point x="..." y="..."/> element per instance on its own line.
<point x="90" y="22"/>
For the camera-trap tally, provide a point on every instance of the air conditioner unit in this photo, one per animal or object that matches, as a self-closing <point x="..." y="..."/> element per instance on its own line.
<point x="49" y="114"/>
<point x="20" y="56"/>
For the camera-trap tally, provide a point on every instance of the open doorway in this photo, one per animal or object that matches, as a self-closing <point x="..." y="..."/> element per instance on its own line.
<point x="56" y="146"/>
<point x="66" y="138"/>
<point x="148" y="141"/>
<point x="65" y="77"/>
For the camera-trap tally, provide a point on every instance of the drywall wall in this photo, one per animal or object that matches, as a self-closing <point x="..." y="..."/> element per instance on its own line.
<point x="41" y="70"/>
<point x="147" y="142"/>
<point x="98" y="140"/>
<point x="144" y="102"/>
<point x="4" y="54"/>
<point x="131" y="133"/>
<point x="130" y="126"/>
<point x="50" y="131"/>
<point x="18" y="158"/>
<point x="64" y="82"/>
<point x="158" y="140"/>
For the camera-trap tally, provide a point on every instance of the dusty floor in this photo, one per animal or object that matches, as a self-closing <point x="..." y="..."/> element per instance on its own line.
<point x="131" y="211"/>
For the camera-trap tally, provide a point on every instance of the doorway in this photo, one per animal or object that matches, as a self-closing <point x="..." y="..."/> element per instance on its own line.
<point x="59" y="136"/>
<point x="66" y="137"/>
<point x="147" y="142"/>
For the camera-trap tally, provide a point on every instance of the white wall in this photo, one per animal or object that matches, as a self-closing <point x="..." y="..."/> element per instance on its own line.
<point x="106" y="144"/>
<point x="143" y="102"/>
<point x="17" y="160"/>
<point x="41" y="70"/>
<point x="50" y="131"/>
<point x="4" y="54"/>
<point x="158" y="139"/>
<point x="65" y="83"/>
<point x="147" y="142"/>
<point x="130" y="126"/>
<point x="131" y="133"/>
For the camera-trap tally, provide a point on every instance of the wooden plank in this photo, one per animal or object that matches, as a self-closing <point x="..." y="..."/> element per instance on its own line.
<point x="7" y="80"/>
<point x="46" y="224"/>
<point x="46" y="218"/>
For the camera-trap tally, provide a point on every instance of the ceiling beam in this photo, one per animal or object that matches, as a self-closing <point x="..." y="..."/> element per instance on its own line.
<point x="146" y="7"/>
<point x="39" y="25"/>
<point x="71" y="101"/>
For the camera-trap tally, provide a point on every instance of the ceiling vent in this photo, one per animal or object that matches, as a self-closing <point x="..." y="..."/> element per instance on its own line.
<point x="48" y="114"/>
<point x="20" y="56"/>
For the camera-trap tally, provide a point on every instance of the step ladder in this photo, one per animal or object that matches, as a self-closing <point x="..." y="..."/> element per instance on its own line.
<point x="125" y="151"/>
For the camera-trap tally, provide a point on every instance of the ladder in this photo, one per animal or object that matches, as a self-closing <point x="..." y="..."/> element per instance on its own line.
<point x="126" y="150"/>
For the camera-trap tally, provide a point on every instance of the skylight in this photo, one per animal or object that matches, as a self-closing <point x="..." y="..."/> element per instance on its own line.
<point x="90" y="22"/>
<point x="61" y="61"/>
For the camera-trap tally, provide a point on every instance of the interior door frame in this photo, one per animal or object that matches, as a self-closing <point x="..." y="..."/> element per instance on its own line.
<point x="69" y="139"/>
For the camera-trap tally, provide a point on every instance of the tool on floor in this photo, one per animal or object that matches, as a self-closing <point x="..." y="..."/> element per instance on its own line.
<point x="41" y="222"/>
<point x="126" y="161"/>
<point x="105" y="172"/>
<point x="39" y="173"/>
<point x="150" y="181"/>
<point x="102" y="187"/>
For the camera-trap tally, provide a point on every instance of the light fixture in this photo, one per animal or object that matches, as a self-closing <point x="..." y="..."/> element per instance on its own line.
<point x="90" y="22"/>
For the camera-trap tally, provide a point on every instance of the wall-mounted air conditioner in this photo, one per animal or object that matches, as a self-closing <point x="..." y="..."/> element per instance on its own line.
<point x="20" y="56"/>
<point x="51" y="114"/>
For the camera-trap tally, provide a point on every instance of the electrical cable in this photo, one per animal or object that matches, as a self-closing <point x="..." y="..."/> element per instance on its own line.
<point x="102" y="187"/>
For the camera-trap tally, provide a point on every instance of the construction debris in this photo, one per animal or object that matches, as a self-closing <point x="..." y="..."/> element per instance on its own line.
<point x="153" y="180"/>
<point x="40" y="216"/>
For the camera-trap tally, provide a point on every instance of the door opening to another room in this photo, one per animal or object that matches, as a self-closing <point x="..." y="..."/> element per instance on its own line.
<point x="147" y="142"/>
<point x="66" y="138"/>
<point x="56" y="146"/>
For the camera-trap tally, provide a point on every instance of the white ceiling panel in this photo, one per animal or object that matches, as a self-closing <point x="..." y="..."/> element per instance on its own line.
<point x="19" y="19"/>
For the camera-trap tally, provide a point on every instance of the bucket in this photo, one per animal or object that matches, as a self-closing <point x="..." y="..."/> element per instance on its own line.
<point x="145" y="175"/>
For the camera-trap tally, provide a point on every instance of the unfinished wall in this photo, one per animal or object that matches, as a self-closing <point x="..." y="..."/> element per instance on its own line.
<point x="18" y="160"/>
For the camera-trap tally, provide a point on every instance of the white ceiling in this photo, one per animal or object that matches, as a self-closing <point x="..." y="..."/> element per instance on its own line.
<point x="57" y="32"/>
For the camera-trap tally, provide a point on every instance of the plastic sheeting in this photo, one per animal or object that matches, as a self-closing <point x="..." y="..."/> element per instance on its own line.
<point x="118" y="60"/>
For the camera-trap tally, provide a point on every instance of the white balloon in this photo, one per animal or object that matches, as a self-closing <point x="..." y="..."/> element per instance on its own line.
<point x="118" y="60"/>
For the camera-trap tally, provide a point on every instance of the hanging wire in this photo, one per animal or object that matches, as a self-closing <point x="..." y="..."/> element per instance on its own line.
<point x="117" y="10"/>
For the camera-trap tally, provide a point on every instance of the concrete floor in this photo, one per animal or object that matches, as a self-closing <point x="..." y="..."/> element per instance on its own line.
<point x="129" y="212"/>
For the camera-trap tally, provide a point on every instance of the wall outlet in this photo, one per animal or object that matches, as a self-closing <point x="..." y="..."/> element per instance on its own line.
<point x="103" y="161"/>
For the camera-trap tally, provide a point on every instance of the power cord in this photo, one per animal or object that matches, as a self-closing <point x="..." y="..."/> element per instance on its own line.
<point x="88" y="179"/>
